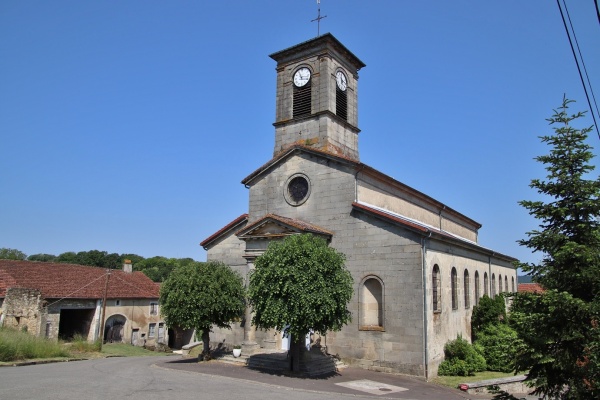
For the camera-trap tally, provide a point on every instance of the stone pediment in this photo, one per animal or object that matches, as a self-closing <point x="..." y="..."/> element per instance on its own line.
<point x="273" y="226"/>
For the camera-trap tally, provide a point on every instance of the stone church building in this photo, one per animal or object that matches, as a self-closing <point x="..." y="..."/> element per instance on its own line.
<point x="417" y="265"/>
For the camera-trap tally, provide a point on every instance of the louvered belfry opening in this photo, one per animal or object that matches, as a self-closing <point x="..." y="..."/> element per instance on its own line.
<point x="302" y="97"/>
<point x="341" y="103"/>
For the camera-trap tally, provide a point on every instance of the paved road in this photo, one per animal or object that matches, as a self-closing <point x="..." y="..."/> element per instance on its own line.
<point x="148" y="378"/>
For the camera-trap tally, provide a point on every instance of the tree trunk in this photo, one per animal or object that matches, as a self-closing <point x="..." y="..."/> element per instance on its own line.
<point x="296" y="353"/>
<point x="205" y="354"/>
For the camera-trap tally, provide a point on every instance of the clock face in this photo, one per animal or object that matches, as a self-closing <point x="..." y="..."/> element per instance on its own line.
<point x="301" y="77"/>
<point x="341" y="81"/>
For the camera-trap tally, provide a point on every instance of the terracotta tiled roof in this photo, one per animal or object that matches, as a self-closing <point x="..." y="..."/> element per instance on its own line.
<point x="57" y="280"/>
<point x="233" y="224"/>
<point x="291" y="222"/>
<point x="424" y="229"/>
<point x="530" y="288"/>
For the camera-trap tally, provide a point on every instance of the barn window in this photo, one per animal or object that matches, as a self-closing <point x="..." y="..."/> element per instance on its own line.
<point x="436" y="285"/>
<point x="371" y="304"/>
<point x="454" y="283"/>
<point x="467" y="290"/>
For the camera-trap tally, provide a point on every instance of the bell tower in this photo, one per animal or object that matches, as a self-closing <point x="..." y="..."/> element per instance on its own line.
<point x="317" y="97"/>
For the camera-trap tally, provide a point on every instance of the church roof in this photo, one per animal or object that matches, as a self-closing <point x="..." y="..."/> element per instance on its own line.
<point x="260" y="228"/>
<point x="323" y="42"/>
<point x="424" y="229"/>
<point x="359" y="167"/>
<point x="235" y="224"/>
<point x="58" y="280"/>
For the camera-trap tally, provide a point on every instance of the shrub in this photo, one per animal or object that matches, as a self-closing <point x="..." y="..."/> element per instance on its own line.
<point x="488" y="312"/>
<point x="461" y="359"/>
<point x="499" y="344"/>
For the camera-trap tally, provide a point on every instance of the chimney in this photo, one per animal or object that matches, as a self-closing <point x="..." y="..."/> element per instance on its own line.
<point x="127" y="267"/>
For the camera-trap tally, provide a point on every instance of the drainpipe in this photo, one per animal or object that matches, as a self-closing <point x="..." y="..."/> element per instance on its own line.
<point x="425" y="318"/>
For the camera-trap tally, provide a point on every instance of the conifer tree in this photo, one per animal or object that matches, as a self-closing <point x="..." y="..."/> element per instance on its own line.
<point x="559" y="328"/>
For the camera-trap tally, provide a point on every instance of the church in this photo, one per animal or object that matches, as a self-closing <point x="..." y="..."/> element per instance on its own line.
<point x="417" y="265"/>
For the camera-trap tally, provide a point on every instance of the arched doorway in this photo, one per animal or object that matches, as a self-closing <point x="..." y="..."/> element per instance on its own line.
<point x="114" y="328"/>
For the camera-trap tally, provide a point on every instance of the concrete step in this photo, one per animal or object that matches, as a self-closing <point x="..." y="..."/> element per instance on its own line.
<point x="314" y="363"/>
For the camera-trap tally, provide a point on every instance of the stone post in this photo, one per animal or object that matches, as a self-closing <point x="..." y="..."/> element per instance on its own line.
<point x="249" y="346"/>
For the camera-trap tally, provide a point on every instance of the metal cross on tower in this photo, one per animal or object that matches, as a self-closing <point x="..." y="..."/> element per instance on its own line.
<point x="319" y="18"/>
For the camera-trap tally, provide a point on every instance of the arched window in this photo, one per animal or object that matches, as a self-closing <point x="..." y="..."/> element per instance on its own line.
<point x="493" y="285"/>
<point x="467" y="290"/>
<point x="477" y="292"/>
<point x="506" y="284"/>
<point x="454" y="283"/>
<point x="436" y="287"/>
<point x="513" y="283"/>
<point x="499" y="283"/>
<point x="371" y="304"/>
<point x="486" y="284"/>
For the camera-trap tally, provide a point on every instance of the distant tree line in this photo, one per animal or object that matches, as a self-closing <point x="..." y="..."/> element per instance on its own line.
<point x="156" y="268"/>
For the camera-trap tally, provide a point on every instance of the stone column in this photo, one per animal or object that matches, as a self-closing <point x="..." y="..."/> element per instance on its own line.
<point x="249" y="345"/>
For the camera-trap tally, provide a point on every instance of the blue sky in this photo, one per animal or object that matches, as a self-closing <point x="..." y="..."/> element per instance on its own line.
<point x="127" y="126"/>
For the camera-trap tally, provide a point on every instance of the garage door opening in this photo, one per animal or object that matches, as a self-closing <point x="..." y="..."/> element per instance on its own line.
<point x="75" y="322"/>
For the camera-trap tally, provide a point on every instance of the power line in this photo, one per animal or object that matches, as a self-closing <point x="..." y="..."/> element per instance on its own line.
<point x="577" y="62"/>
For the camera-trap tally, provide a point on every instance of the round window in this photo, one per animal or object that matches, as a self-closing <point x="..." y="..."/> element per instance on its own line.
<point x="297" y="189"/>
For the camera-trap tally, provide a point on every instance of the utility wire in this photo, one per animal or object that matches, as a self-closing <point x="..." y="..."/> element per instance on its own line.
<point x="582" y="63"/>
<point x="72" y="293"/>
<point x="577" y="63"/>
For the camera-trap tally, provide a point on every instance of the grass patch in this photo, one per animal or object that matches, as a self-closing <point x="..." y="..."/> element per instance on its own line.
<point x="454" y="381"/>
<point x="21" y="346"/>
<point x="79" y="344"/>
<point x="17" y="346"/>
<point x="127" y="350"/>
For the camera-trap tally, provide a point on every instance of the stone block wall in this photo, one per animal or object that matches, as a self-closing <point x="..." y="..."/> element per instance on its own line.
<point x="23" y="309"/>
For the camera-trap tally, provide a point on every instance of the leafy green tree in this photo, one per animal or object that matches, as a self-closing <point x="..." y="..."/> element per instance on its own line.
<point x="200" y="295"/>
<point x="300" y="284"/>
<point x="12" y="254"/>
<point x="488" y="312"/>
<point x="157" y="268"/>
<point x="560" y="326"/>
<point x="42" y="257"/>
<point x="68" y="257"/>
<point x="499" y="345"/>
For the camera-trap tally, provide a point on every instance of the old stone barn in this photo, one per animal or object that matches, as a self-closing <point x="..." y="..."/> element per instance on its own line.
<point x="56" y="300"/>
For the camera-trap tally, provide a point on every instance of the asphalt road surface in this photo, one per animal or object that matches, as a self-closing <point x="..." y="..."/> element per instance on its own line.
<point x="147" y="378"/>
